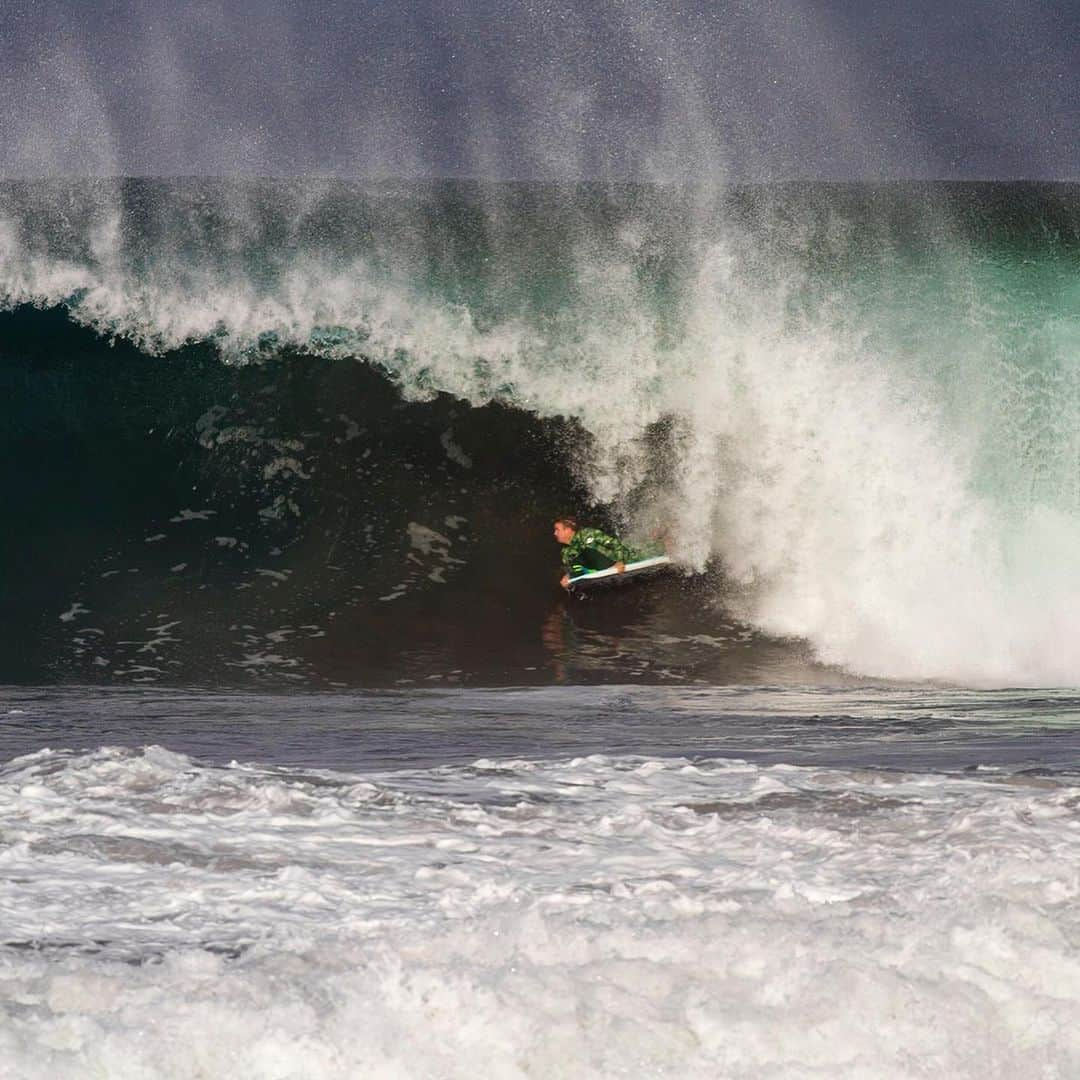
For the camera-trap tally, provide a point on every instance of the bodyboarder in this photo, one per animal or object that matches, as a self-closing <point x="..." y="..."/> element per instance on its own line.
<point x="588" y="549"/>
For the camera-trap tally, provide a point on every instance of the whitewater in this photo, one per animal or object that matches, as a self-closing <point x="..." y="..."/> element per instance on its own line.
<point x="421" y="909"/>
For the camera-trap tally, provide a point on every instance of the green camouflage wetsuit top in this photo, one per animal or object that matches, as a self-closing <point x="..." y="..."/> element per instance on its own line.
<point x="591" y="549"/>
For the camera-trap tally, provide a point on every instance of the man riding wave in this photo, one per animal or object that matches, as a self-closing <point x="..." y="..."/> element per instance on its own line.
<point x="586" y="550"/>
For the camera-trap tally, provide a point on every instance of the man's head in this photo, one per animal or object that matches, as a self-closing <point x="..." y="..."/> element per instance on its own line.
<point x="565" y="527"/>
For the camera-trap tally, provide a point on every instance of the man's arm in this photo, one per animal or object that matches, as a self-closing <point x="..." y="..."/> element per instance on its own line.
<point x="591" y="551"/>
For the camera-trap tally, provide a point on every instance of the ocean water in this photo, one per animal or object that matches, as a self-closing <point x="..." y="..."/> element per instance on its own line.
<point x="309" y="769"/>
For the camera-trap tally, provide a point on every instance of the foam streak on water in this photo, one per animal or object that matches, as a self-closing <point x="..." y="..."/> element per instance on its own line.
<point x="589" y="916"/>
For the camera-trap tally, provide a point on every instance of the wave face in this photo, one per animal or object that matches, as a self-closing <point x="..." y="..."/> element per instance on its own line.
<point x="317" y="430"/>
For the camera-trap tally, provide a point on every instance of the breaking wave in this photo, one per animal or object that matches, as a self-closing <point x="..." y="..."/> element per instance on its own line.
<point x="856" y="407"/>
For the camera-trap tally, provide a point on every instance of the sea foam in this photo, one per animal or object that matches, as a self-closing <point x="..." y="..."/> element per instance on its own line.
<point x="591" y="916"/>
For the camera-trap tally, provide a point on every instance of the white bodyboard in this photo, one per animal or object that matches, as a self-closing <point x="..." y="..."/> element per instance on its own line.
<point x="599" y="578"/>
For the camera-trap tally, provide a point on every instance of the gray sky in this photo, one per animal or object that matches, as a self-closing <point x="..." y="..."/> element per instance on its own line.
<point x="747" y="89"/>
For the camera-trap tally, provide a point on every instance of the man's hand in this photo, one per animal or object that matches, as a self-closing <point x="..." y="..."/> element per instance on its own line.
<point x="620" y="567"/>
<point x="565" y="581"/>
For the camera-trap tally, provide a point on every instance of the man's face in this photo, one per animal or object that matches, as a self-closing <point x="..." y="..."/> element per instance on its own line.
<point x="563" y="533"/>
